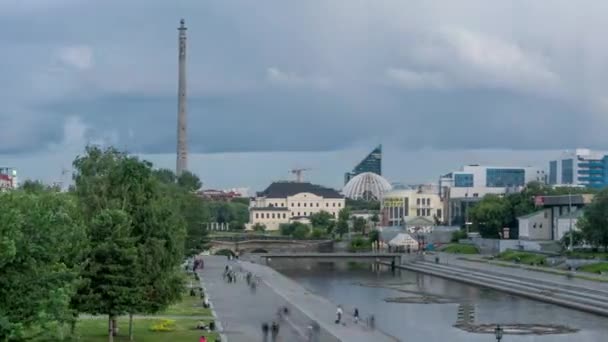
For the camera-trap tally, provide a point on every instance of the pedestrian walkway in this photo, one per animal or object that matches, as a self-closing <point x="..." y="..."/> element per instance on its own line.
<point x="242" y="312"/>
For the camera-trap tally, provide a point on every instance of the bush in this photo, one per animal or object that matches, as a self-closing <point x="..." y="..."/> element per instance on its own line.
<point x="165" y="325"/>
<point x="461" y="249"/>
<point x="360" y="244"/>
<point x="317" y="233"/>
<point x="458" y="235"/>
<point x="301" y="232"/>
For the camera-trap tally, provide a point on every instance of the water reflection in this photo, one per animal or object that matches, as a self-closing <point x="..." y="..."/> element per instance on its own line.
<point x="366" y="287"/>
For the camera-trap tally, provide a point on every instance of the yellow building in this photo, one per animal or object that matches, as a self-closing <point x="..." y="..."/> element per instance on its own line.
<point x="401" y="205"/>
<point x="286" y="202"/>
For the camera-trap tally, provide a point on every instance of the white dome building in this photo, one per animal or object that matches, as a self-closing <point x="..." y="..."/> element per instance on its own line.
<point x="366" y="186"/>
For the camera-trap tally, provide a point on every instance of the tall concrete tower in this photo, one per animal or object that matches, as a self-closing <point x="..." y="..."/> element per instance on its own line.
<point x="182" y="141"/>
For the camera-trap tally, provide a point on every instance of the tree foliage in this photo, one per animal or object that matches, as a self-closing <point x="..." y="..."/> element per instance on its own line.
<point x="359" y="224"/>
<point x="490" y="215"/>
<point x="42" y="245"/>
<point x="494" y="212"/>
<point x="296" y="230"/>
<point x="120" y="193"/>
<point x="189" y="181"/>
<point x="321" y="219"/>
<point x="594" y="223"/>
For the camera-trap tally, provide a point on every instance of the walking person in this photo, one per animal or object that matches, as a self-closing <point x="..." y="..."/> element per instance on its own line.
<point x="356" y="314"/>
<point x="274" y="331"/>
<point x="339" y="313"/>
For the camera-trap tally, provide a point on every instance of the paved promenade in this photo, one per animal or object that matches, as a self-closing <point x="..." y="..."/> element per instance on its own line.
<point x="242" y="312"/>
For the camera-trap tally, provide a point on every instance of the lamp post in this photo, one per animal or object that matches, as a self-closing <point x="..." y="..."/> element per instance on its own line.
<point x="498" y="332"/>
<point x="571" y="246"/>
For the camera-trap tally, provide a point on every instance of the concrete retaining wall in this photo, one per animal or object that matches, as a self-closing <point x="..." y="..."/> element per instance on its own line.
<point x="495" y="246"/>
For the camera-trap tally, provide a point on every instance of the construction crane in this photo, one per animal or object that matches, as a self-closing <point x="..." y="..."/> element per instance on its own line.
<point x="298" y="173"/>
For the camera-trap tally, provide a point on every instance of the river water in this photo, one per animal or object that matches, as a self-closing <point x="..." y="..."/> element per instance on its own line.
<point x="367" y="288"/>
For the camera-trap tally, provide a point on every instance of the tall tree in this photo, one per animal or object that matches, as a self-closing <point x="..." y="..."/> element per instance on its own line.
<point x="321" y="219"/>
<point x="342" y="225"/>
<point x="42" y="244"/>
<point x="111" y="288"/>
<point x="189" y="181"/>
<point x="594" y="223"/>
<point x="111" y="180"/>
<point x="490" y="215"/>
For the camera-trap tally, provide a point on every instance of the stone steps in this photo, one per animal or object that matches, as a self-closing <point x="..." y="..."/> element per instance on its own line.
<point x="522" y="288"/>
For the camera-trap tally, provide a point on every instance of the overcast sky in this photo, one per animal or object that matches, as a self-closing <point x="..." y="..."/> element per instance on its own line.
<point x="275" y="84"/>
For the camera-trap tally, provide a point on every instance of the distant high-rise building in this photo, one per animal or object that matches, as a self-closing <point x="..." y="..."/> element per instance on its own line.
<point x="581" y="167"/>
<point x="371" y="163"/>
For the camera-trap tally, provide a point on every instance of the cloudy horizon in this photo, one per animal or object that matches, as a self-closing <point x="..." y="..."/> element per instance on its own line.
<point x="274" y="85"/>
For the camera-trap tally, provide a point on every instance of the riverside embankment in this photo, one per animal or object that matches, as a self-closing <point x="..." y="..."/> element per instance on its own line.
<point x="579" y="294"/>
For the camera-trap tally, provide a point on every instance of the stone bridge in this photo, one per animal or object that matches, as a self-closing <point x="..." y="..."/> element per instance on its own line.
<point x="269" y="245"/>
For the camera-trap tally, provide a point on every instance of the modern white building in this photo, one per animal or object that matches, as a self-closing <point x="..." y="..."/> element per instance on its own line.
<point x="400" y="206"/>
<point x="479" y="180"/>
<point x="580" y="167"/>
<point x="461" y="189"/>
<point x="286" y="202"/>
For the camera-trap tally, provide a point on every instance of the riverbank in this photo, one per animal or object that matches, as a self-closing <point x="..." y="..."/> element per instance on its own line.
<point x="556" y="289"/>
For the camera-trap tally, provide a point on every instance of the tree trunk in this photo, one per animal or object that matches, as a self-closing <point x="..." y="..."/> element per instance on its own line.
<point x="130" y="327"/>
<point x="110" y="329"/>
<point x="114" y="326"/>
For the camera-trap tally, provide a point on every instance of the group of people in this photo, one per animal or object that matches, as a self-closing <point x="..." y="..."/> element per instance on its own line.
<point x="340" y="313"/>
<point x="229" y="274"/>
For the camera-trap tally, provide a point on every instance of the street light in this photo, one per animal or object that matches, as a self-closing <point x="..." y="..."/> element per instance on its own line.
<point x="498" y="332"/>
<point x="570" y="215"/>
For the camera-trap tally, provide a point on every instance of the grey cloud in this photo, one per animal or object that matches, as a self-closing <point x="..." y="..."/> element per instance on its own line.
<point x="307" y="76"/>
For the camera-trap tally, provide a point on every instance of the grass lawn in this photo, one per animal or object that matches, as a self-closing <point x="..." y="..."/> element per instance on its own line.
<point x="588" y="255"/>
<point x="94" y="330"/>
<point x="189" y="306"/>
<point x="458" y="248"/>
<point x="523" y="257"/>
<point x="595" y="268"/>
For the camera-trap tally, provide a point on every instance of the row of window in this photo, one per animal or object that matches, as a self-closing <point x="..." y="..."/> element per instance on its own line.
<point x="279" y="205"/>
<point x="423" y="201"/>
<point x="278" y="215"/>
<point x="427" y="212"/>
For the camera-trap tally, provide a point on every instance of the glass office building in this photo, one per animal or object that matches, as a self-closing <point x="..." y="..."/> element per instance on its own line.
<point x="505" y="178"/>
<point x="581" y="167"/>
<point x="371" y="163"/>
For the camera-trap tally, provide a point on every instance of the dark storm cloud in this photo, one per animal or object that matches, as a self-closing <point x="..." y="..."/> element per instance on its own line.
<point x="305" y="76"/>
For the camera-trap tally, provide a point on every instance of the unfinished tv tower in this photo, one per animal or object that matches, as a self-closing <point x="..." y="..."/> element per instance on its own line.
<point x="182" y="144"/>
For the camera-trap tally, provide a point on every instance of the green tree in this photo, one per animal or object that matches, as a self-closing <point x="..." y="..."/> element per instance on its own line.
<point x="321" y="219"/>
<point x="107" y="181"/>
<point x="490" y="215"/>
<point x="317" y="233"/>
<point x="42" y="244"/>
<point x="297" y="230"/>
<point x="375" y="219"/>
<point x="301" y="231"/>
<point x="594" y="223"/>
<point x="342" y="225"/>
<point x="33" y="186"/>
<point x="578" y="239"/>
<point x="258" y="227"/>
<point x="111" y="289"/>
<point x="374" y="236"/>
<point x="359" y="224"/>
<point x="189" y="181"/>
<point x="165" y="176"/>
